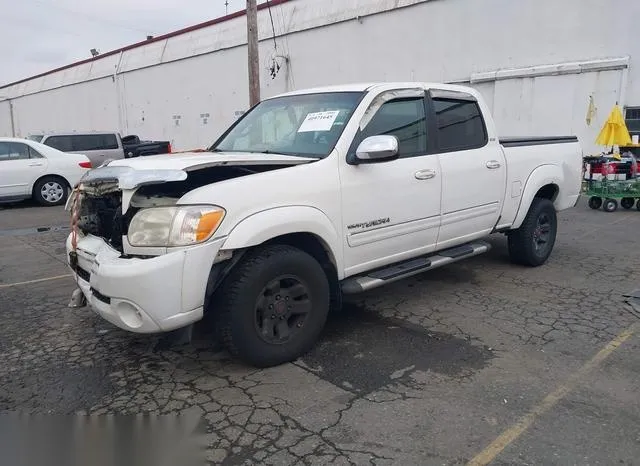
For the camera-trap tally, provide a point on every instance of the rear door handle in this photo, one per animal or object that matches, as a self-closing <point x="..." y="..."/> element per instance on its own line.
<point x="35" y="164"/>
<point x="425" y="174"/>
<point x="493" y="164"/>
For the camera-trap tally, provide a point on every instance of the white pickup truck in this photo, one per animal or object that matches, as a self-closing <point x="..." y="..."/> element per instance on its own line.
<point x="309" y="196"/>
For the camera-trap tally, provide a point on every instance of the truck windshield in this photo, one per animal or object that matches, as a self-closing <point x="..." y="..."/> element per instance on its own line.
<point x="306" y="125"/>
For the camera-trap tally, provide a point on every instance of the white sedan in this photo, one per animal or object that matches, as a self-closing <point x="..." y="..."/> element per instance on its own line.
<point x="29" y="169"/>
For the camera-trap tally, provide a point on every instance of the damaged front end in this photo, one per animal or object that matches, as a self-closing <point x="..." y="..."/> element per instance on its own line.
<point x="106" y="200"/>
<point x="100" y="204"/>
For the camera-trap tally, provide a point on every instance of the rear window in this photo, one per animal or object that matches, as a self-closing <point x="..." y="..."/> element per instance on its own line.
<point x="83" y="142"/>
<point x="460" y="124"/>
<point x="35" y="137"/>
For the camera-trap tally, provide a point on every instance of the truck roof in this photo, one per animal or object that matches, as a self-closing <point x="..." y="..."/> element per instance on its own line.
<point x="362" y="87"/>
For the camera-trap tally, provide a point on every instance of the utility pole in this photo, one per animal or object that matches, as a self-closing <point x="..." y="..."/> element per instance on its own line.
<point x="254" y="60"/>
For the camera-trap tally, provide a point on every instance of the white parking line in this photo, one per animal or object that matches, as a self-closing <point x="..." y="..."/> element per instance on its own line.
<point x="58" y="277"/>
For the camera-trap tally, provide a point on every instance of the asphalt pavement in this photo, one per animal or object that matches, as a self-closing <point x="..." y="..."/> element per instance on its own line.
<point x="481" y="362"/>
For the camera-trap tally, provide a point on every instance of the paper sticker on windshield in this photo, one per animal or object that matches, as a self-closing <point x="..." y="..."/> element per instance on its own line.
<point x="319" y="121"/>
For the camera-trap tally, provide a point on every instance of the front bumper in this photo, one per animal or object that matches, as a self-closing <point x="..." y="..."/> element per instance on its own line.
<point x="150" y="295"/>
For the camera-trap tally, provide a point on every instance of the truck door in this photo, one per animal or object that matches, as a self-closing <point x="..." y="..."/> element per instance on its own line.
<point x="391" y="209"/>
<point x="473" y="168"/>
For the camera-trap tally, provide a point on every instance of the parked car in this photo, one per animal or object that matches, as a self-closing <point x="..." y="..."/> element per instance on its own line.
<point x="98" y="146"/>
<point x="30" y="169"/>
<point x="311" y="195"/>
<point x="134" y="147"/>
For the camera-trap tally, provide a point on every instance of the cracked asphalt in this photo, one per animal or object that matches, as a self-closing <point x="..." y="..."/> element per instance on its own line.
<point x="428" y="371"/>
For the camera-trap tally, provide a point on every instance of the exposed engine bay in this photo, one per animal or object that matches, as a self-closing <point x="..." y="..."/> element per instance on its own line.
<point x="98" y="207"/>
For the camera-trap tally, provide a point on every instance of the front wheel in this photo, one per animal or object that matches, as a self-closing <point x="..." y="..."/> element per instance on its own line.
<point x="532" y="243"/>
<point x="273" y="305"/>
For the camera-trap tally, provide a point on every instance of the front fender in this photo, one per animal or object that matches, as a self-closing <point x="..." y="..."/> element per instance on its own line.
<point x="541" y="176"/>
<point x="268" y="224"/>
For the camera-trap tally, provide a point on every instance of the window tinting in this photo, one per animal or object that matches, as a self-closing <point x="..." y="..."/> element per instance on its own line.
<point x="460" y="124"/>
<point x="62" y="143"/>
<point x="13" y="151"/>
<point x="83" y="142"/>
<point x="109" y="141"/>
<point x="404" y="119"/>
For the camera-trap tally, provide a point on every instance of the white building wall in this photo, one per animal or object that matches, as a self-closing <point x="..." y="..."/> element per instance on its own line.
<point x="146" y="90"/>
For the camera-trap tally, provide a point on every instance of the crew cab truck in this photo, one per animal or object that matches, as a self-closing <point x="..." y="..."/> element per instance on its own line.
<point x="309" y="196"/>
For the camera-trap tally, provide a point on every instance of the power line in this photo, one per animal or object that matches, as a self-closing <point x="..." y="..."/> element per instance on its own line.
<point x="273" y="28"/>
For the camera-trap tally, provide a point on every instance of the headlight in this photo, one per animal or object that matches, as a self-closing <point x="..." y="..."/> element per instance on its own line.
<point x="174" y="226"/>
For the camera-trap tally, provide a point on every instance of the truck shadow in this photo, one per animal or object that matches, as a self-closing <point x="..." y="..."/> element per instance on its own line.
<point x="362" y="352"/>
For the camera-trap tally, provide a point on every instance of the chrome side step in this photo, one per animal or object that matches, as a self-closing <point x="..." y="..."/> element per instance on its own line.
<point x="395" y="272"/>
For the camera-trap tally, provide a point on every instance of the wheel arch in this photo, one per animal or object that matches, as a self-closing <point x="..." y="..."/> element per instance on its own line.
<point x="304" y="227"/>
<point x="544" y="182"/>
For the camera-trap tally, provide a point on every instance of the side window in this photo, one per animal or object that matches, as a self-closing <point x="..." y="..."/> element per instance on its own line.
<point x="109" y="141"/>
<point x="86" y="142"/>
<point x="460" y="125"/>
<point x="5" y="151"/>
<point x="403" y="118"/>
<point x="62" y="143"/>
<point x="13" y="151"/>
<point x="34" y="154"/>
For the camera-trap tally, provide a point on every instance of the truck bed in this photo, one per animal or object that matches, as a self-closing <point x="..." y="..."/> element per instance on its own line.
<point x="527" y="155"/>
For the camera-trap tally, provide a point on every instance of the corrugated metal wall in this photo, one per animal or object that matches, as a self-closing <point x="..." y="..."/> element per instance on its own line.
<point x="188" y="88"/>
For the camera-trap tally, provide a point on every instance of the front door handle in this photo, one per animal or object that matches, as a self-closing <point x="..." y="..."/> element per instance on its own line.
<point x="425" y="174"/>
<point x="493" y="164"/>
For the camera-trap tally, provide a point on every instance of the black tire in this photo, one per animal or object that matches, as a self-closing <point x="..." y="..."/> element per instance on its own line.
<point x="533" y="242"/>
<point x="627" y="203"/>
<point x="595" y="202"/>
<point x="250" y="325"/>
<point x="50" y="191"/>
<point x="610" y="205"/>
<point x="638" y="204"/>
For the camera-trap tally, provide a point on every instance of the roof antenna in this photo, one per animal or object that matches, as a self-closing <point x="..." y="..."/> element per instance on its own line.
<point x="226" y="5"/>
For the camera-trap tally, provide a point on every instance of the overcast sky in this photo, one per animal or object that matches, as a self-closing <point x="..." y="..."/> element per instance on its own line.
<point x="39" y="35"/>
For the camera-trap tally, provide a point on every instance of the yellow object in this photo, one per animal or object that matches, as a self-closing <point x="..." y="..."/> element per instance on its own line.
<point x="591" y="111"/>
<point x="614" y="132"/>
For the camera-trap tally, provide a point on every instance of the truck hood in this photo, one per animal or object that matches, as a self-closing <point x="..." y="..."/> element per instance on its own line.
<point x="188" y="161"/>
<point x="127" y="175"/>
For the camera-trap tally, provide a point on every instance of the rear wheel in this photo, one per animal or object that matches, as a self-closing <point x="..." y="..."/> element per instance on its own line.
<point x="610" y="205"/>
<point x="627" y="202"/>
<point x="273" y="305"/>
<point x="638" y="205"/>
<point x="595" y="202"/>
<point x="532" y="243"/>
<point x="50" y="191"/>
